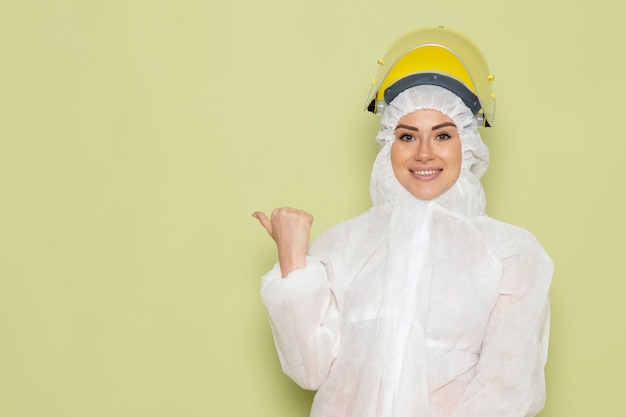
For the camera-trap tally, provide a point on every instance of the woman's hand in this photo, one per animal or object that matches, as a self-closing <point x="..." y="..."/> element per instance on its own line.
<point x="290" y="228"/>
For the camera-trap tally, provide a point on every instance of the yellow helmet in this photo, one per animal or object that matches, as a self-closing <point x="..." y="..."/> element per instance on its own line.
<point x="437" y="56"/>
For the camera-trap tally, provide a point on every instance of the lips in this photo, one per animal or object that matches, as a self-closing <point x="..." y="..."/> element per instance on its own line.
<point x="425" y="172"/>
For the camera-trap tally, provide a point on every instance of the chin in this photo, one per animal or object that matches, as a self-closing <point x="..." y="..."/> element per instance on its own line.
<point x="426" y="195"/>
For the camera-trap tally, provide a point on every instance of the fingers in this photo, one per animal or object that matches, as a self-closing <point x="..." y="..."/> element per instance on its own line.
<point x="290" y="230"/>
<point x="286" y="224"/>
<point x="291" y="216"/>
<point x="264" y="220"/>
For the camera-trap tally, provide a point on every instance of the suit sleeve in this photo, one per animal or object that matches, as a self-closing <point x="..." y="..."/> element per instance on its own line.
<point x="510" y="374"/>
<point x="305" y="321"/>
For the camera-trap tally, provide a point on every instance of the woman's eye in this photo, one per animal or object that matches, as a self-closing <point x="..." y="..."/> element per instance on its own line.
<point x="406" y="137"/>
<point x="443" y="136"/>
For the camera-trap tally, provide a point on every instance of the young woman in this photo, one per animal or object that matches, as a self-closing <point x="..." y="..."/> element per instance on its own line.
<point x="423" y="305"/>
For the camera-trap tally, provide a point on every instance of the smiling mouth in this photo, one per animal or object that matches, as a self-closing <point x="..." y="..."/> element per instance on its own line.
<point x="426" y="172"/>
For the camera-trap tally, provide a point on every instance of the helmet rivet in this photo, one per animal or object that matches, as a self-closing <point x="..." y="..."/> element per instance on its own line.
<point x="493" y="95"/>
<point x="491" y="77"/>
<point x="373" y="81"/>
<point x="380" y="62"/>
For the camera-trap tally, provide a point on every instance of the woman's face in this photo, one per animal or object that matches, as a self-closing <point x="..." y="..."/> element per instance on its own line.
<point x="426" y="153"/>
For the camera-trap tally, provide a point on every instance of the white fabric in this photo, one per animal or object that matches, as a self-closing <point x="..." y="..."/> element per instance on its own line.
<point x="420" y="308"/>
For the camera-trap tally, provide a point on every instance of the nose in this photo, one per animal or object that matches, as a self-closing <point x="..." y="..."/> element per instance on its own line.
<point x="424" y="151"/>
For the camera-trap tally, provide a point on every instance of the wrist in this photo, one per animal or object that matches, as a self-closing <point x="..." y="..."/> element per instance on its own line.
<point x="290" y="263"/>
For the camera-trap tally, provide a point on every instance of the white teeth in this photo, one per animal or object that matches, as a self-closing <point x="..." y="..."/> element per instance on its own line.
<point x="430" y="172"/>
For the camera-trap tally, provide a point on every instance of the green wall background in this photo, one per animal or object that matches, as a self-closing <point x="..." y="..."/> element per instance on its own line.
<point x="136" y="137"/>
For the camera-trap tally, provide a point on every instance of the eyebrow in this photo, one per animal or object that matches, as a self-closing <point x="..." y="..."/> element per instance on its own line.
<point x="439" y="126"/>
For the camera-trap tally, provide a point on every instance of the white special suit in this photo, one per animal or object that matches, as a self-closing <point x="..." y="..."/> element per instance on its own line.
<point x="418" y="307"/>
